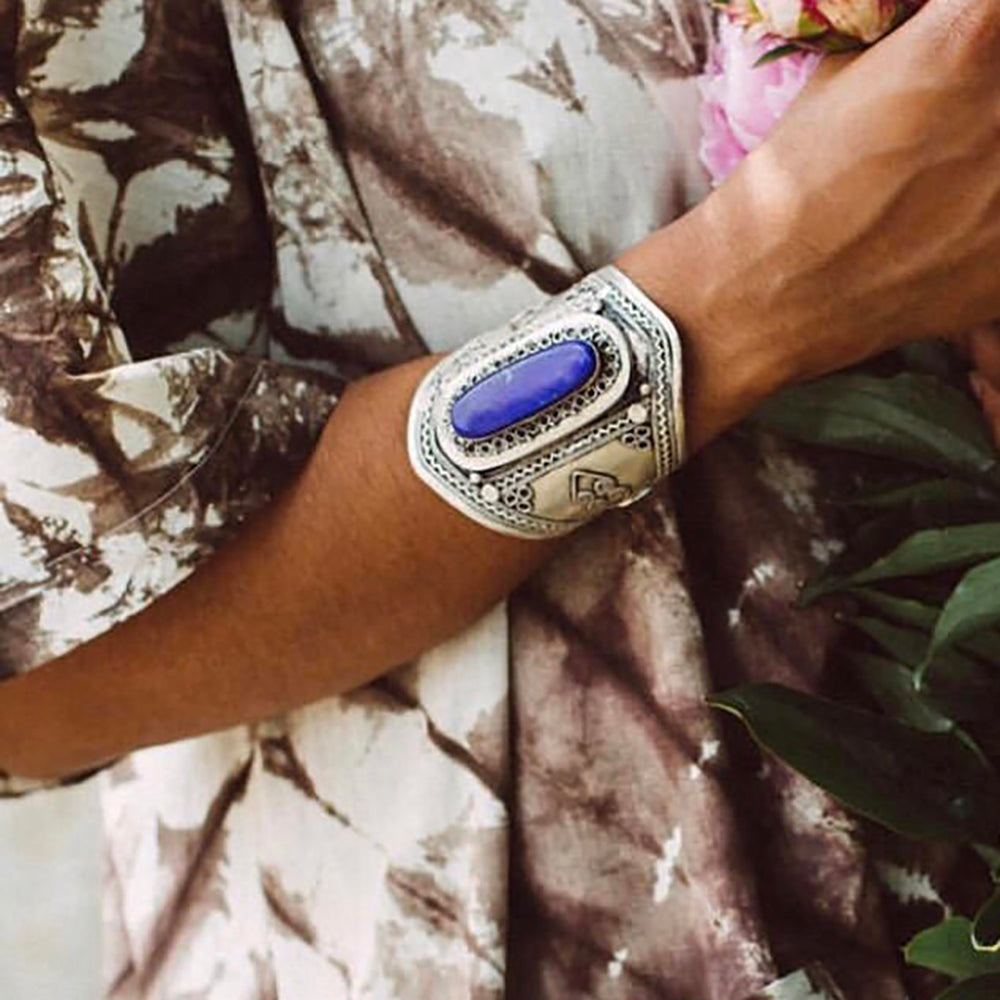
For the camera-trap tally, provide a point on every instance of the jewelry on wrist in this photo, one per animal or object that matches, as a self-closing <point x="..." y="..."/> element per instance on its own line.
<point x="572" y="408"/>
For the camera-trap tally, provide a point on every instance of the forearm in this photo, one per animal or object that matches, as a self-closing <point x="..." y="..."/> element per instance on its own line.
<point x="356" y="569"/>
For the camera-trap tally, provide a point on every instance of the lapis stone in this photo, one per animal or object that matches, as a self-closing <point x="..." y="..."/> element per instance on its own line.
<point x="523" y="389"/>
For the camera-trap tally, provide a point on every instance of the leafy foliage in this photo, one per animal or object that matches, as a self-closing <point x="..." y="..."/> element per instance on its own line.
<point x="923" y="553"/>
<point x="971" y="609"/>
<point x="922" y="784"/>
<point x="919" y="752"/>
<point x="947" y="948"/>
<point x="916" y="418"/>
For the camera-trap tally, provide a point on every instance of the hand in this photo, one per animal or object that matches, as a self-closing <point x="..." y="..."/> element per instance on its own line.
<point x="886" y="178"/>
<point x="869" y="218"/>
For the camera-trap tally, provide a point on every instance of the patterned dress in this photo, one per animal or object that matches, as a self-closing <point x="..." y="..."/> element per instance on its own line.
<point x="215" y="213"/>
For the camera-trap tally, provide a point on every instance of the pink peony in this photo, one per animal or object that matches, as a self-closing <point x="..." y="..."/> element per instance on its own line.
<point x="742" y="101"/>
<point x="744" y="97"/>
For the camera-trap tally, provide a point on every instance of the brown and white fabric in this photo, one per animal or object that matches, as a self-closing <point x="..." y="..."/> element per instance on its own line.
<point x="214" y="213"/>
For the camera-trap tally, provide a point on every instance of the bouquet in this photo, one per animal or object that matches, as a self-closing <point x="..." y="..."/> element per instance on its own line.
<point x="766" y="52"/>
<point x="915" y="746"/>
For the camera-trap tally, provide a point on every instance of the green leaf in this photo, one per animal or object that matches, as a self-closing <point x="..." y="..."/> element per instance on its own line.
<point x="947" y="948"/>
<point x="923" y="553"/>
<point x="980" y="988"/>
<point x="923" y="493"/>
<point x="914" y="614"/>
<point x="925" y="785"/>
<point x="951" y="670"/>
<point x="953" y="684"/>
<point x="869" y="542"/>
<point x="911" y="417"/>
<point x="959" y="689"/>
<point x="986" y="927"/>
<point x="780" y="52"/>
<point x="905" y="644"/>
<point x="898" y="610"/>
<point x="892" y="686"/>
<point x="973" y="607"/>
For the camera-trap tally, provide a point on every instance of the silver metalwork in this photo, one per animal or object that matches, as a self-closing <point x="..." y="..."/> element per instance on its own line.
<point x="604" y="445"/>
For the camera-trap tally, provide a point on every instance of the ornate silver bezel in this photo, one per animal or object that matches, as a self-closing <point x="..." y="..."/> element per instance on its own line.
<point x="569" y="414"/>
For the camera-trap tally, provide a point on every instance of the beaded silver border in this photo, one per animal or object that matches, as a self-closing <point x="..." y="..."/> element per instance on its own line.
<point x="577" y="410"/>
<point x="496" y="490"/>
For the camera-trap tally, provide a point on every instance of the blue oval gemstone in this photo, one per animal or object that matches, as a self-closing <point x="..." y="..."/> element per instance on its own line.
<point x="523" y="389"/>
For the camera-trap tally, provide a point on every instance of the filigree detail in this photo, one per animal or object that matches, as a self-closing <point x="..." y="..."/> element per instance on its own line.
<point x="521" y="498"/>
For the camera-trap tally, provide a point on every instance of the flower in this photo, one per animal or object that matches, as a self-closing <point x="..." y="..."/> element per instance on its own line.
<point x="866" y="20"/>
<point x="743" y="99"/>
<point x="821" y="25"/>
<point x="745" y="93"/>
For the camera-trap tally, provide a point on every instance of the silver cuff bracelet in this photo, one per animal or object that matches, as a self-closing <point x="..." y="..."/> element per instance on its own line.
<point x="572" y="408"/>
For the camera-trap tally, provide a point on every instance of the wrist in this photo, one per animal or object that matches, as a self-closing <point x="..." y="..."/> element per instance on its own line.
<point x="735" y="355"/>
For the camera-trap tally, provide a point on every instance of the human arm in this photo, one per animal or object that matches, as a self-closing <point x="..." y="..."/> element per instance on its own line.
<point x="321" y="592"/>
<point x="837" y="240"/>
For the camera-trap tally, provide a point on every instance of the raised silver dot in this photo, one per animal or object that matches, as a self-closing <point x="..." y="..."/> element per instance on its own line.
<point x="490" y="493"/>
<point x="638" y="414"/>
<point x="645" y="389"/>
<point x="475" y="478"/>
